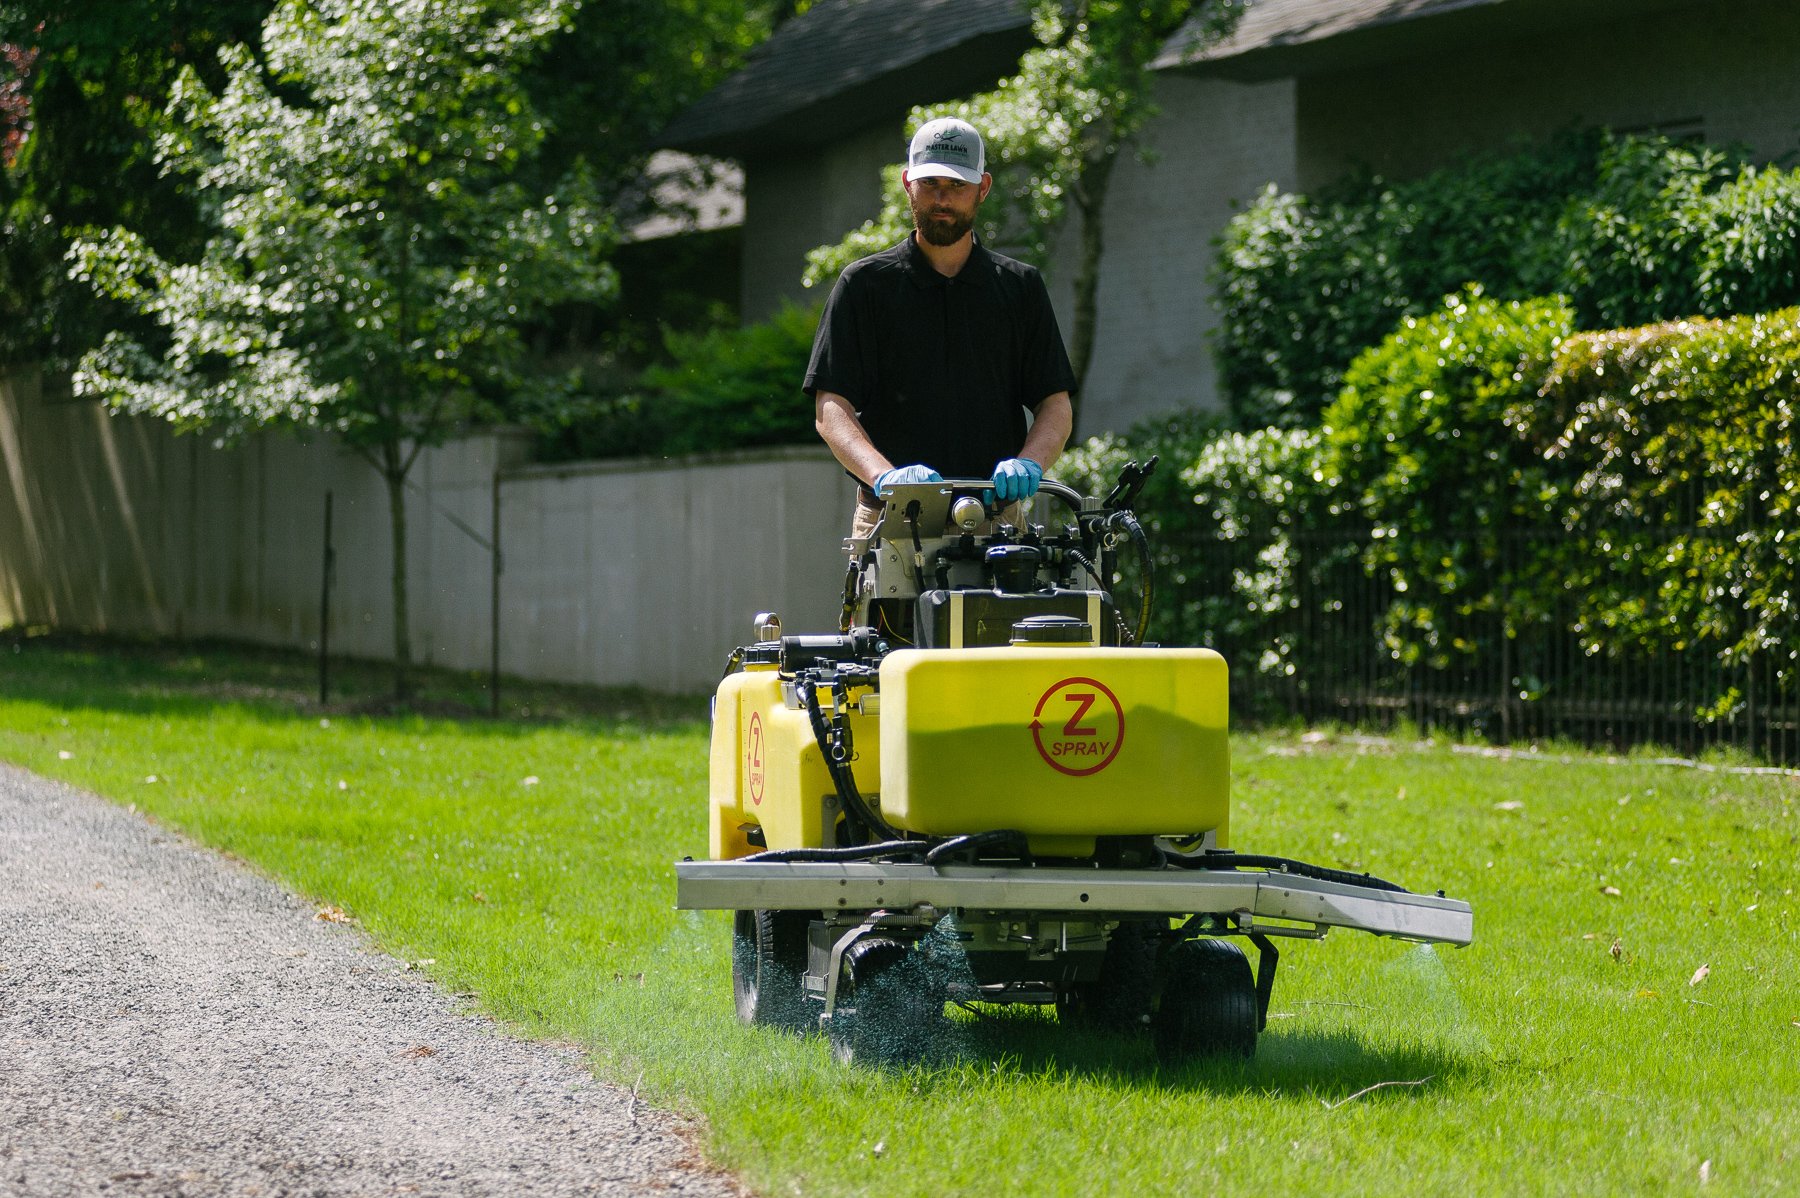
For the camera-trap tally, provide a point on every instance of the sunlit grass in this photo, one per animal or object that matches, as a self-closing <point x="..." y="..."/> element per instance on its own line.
<point x="528" y="859"/>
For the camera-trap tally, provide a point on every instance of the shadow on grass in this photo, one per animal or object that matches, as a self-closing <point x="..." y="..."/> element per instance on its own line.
<point x="196" y="678"/>
<point x="1331" y="1065"/>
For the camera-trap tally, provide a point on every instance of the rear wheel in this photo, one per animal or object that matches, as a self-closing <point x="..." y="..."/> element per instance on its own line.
<point x="1209" y="1005"/>
<point x="768" y="960"/>
<point x="890" y="1005"/>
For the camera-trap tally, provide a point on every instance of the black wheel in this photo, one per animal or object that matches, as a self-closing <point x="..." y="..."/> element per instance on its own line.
<point x="890" y="1004"/>
<point x="1123" y="996"/>
<point x="768" y="959"/>
<point x="1209" y="1006"/>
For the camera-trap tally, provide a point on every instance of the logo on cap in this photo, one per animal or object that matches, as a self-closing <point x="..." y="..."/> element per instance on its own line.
<point x="950" y="144"/>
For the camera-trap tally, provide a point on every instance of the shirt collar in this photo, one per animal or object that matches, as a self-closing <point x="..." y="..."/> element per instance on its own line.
<point x="977" y="270"/>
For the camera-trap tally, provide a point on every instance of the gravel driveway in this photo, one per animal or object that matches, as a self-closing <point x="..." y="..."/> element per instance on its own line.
<point x="171" y="1023"/>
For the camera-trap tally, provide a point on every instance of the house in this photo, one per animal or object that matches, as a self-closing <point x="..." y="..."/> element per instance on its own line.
<point x="817" y="110"/>
<point x="1301" y="92"/>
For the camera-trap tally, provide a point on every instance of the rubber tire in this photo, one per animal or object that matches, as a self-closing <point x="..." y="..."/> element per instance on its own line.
<point x="1208" y="1006"/>
<point x="890" y="1005"/>
<point x="1123" y="996"/>
<point x="768" y="959"/>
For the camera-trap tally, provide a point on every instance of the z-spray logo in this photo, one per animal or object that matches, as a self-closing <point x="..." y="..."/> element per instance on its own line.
<point x="1078" y="726"/>
<point x="753" y="758"/>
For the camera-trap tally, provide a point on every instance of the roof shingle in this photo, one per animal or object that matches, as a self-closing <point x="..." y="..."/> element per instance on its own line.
<point x="835" y="67"/>
<point x="1281" y="37"/>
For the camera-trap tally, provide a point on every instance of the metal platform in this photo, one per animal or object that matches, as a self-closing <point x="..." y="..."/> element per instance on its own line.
<point x="1271" y="903"/>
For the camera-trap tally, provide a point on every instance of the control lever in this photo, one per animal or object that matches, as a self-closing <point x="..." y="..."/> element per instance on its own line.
<point x="1131" y="481"/>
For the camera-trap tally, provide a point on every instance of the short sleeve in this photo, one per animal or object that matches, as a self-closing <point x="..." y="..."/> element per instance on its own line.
<point x="836" y="363"/>
<point x="1045" y="361"/>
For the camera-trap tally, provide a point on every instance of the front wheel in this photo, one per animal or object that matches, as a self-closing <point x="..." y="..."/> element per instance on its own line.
<point x="1209" y="1006"/>
<point x="768" y="961"/>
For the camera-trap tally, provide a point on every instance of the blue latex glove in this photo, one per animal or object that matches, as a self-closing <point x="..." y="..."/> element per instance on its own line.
<point x="1016" y="479"/>
<point x="905" y="474"/>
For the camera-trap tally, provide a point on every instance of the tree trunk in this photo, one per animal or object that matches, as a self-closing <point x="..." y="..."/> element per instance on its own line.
<point x="1090" y="202"/>
<point x="394" y="471"/>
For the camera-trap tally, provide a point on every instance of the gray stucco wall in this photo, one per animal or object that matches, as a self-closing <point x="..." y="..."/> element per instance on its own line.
<point x="638" y="573"/>
<point x="795" y="203"/>
<point x="1215" y="145"/>
<point x="1728" y="71"/>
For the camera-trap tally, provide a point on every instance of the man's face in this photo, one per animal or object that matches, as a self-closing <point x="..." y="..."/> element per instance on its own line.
<point x="944" y="209"/>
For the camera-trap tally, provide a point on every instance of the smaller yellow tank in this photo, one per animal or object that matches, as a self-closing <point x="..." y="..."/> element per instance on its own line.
<point x="768" y="772"/>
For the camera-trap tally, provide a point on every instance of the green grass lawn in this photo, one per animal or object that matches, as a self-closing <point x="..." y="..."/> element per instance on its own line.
<point x="527" y="859"/>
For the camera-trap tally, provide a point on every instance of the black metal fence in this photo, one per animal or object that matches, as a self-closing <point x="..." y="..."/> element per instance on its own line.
<point x="1511" y="673"/>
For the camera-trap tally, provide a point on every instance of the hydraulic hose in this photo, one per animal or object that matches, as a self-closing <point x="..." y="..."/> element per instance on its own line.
<point x="1318" y="873"/>
<point x="860" y="852"/>
<point x="978" y="841"/>
<point x="1146" y="572"/>
<point x="838" y="764"/>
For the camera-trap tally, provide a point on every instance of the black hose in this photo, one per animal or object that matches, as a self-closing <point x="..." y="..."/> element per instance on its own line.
<point x="854" y="804"/>
<point x="860" y="852"/>
<point x="1300" y="869"/>
<point x="1145" y="569"/>
<point x="978" y="841"/>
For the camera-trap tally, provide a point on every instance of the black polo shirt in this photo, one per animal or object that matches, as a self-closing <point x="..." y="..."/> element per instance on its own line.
<point x="940" y="370"/>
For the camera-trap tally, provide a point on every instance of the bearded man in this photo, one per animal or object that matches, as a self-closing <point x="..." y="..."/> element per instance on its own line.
<point x="939" y="358"/>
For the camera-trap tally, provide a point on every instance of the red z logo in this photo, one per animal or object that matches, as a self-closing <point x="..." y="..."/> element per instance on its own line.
<point x="1082" y="748"/>
<point x="1082" y="703"/>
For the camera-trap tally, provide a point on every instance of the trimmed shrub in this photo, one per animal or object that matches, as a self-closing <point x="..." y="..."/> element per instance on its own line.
<point x="725" y="388"/>
<point x="1423" y="437"/>
<point x="1631" y="229"/>
<point x="1675" y="484"/>
<point x="737" y="388"/>
<point x="1499" y="511"/>
<point x="1271" y="505"/>
<point x="1307" y="283"/>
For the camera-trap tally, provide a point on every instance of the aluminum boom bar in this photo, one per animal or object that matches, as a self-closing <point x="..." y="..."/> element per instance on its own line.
<point x="1092" y="894"/>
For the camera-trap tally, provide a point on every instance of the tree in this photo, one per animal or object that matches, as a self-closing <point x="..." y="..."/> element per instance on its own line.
<point x="375" y="248"/>
<point x="75" y="78"/>
<point x="1054" y="132"/>
<point x="82" y="80"/>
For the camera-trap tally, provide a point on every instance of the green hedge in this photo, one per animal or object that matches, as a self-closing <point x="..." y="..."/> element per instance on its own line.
<point x="1631" y="229"/>
<point x="1672" y="475"/>
<point x="1423" y="441"/>
<point x="1509" y="484"/>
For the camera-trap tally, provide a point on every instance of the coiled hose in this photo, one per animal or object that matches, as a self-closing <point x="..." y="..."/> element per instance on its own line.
<point x="838" y="764"/>
<point x="1146" y="572"/>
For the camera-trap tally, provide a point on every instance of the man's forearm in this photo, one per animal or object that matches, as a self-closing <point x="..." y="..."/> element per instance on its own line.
<point x="848" y="440"/>
<point x="1051" y="422"/>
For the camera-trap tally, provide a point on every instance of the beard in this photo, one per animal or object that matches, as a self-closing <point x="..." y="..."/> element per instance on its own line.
<point x="935" y="230"/>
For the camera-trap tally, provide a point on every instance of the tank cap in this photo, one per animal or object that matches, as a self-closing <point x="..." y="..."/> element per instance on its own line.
<point x="1052" y="630"/>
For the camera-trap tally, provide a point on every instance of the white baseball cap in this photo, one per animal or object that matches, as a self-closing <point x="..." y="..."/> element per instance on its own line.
<point x="946" y="148"/>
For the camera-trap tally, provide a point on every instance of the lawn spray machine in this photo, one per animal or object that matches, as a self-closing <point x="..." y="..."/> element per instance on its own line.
<point x="984" y="788"/>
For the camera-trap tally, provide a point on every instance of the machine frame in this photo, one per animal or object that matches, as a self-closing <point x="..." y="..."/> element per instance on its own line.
<point x="866" y="929"/>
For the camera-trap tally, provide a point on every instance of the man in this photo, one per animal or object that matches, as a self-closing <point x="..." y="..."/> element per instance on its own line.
<point x="930" y="355"/>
